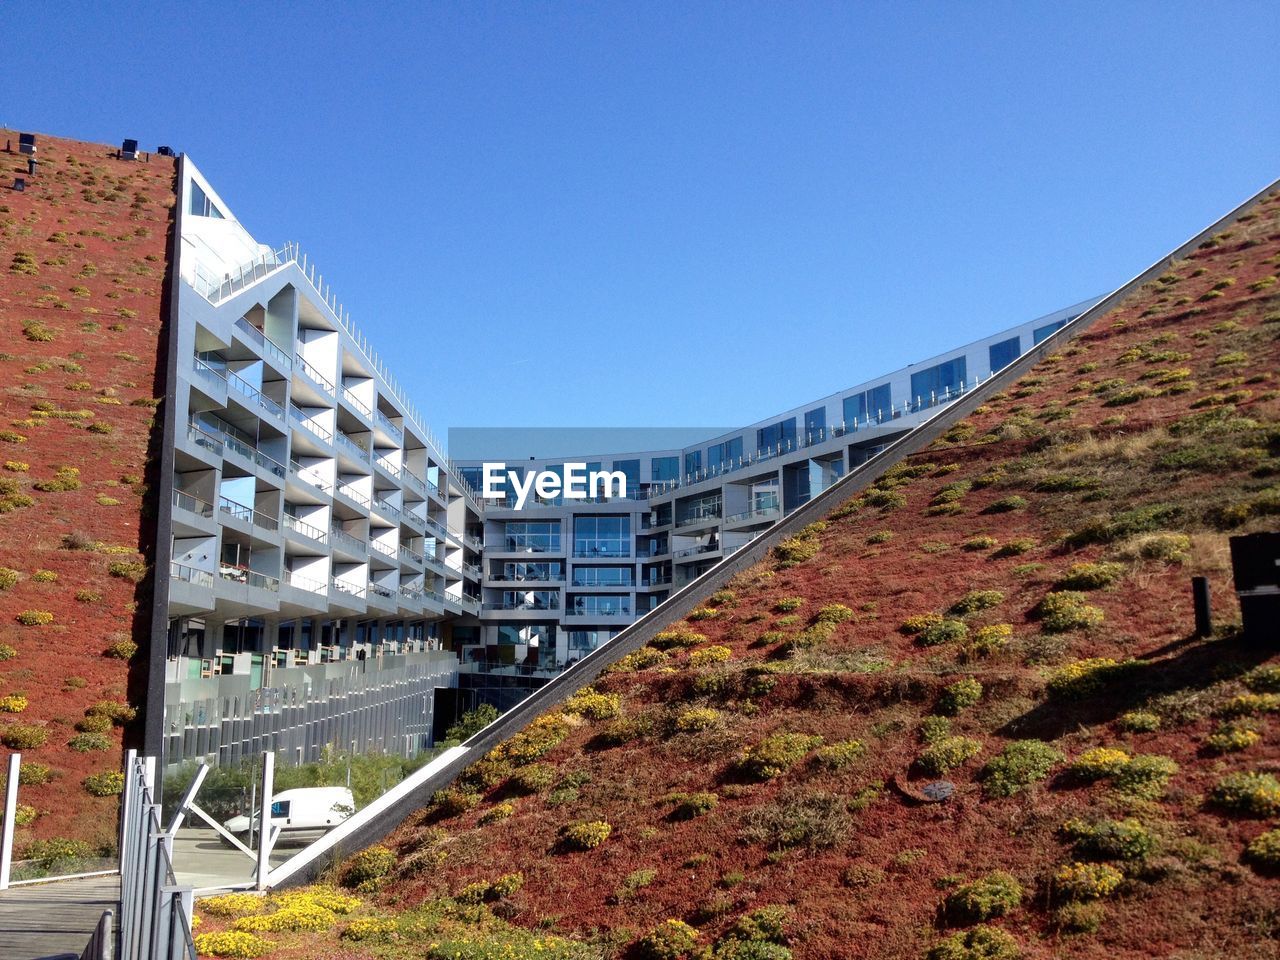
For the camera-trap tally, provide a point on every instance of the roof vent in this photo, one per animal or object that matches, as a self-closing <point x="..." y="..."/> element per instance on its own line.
<point x="19" y="184"/>
<point x="165" y="151"/>
<point x="129" y="150"/>
<point x="27" y="143"/>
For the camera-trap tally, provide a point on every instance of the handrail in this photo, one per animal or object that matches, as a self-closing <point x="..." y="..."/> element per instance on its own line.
<point x="350" y="589"/>
<point x="192" y="504"/>
<point x="296" y="413"/>
<point x="349" y="395"/>
<point x="296" y="469"/>
<point x="305" y="583"/>
<point x="253" y="393"/>
<point x="188" y="574"/>
<point x="242" y="512"/>
<point x="345" y="441"/>
<point x="315" y="375"/>
<point x="341" y="536"/>
<point x="307" y="530"/>
<point x="269" y="346"/>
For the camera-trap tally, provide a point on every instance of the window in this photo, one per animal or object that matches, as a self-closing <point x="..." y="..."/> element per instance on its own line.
<point x="530" y="600"/>
<point x="815" y="424"/>
<point x="631" y="468"/>
<point x="472" y="477"/>
<point x="280" y="808"/>
<point x="201" y="205"/>
<point x="936" y="381"/>
<point x="1004" y="353"/>
<point x="724" y="456"/>
<point x="1042" y="333"/>
<point x="603" y="577"/>
<point x="777" y="436"/>
<point x="692" y="462"/>
<point x="602" y="536"/>
<point x="874" y="404"/>
<point x="600" y="605"/>
<point x="584" y="641"/>
<point x="533" y="537"/>
<point x="662" y="469"/>
<point x="532" y="571"/>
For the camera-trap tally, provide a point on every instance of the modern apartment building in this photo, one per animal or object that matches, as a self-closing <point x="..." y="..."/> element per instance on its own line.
<point x="562" y="576"/>
<point x="329" y="561"/>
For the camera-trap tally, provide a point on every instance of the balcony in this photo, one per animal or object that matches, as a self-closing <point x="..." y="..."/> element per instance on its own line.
<point x="507" y="606"/>
<point x="355" y="496"/>
<point x="601" y="552"/>
<point x="599" y="610"/>
<point x="299" y="582"/>
<point x="340" y="538"/>
<point x="758" y="515"/>
<point x="247" y="514"/>
<point x="697" y="519"/>
<point x="656" y="582"/>
<point x="381" y="597"/>
<point x="592" y="584"/>
<point x="185" y="501"/>
<point x="354" y="447"/>
<point x="408" y="556"/>
<point x="385" y="549"/>
<point x="315" y="376"/>
<point x="212" y="376"/>
<point x="300" y="418"/>
<point x="304" y="529"/>
<point x="256" y="396"/>
<point x="185" y="574"/>
<point x="385" y="422"/>
<point x="266" y="346"/>
<point x="295" y="469"/>
<point x="205" y="440"/>
<point x="236" y="574"/>
<point x="387" y="509"/>
<point x="698" y="550"/>
<point x="349" y="396"/>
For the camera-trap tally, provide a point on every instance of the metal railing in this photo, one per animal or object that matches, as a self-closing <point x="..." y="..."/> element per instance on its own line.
<point x="300" y="582"/>
<point x="155" y="912"/>
<point x="315" y="376"/>
<point x="257" y="396"/>
<point x="250" y="578"/>
<point x="356" y="590"/>
<point x="351" y="493"/>
<point x="189" y="574"/>
<point x="305" y="529"/>
<point x="341" y="536"/>
<point x="246" y="513"/>
<point x="361" y="407"/>
<point x="268" y="346"/>
<point x="192" y="504"/>
<point x="295" y="413"/>
<point x="356" y="448"/>
<point x="296" y="469"/>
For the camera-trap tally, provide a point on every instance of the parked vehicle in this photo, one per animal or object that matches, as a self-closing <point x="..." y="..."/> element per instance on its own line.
<point x="302" y="814"/>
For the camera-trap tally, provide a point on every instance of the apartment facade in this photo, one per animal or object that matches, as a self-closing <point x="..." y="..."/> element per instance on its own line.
<point x="331" y="567"/>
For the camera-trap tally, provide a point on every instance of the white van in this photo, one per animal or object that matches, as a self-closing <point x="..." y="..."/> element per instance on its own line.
<point x="304" y="813"/>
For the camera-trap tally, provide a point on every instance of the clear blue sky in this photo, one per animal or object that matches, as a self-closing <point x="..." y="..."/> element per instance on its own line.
<point x="647" y="214"/>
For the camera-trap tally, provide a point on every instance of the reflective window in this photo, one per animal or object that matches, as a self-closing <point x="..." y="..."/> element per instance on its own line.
<point x="530" y="600"/>
<point x="869" y="405"/>
<point x="600" y="605"/>
<point x="604" y="536"/>
<point x="603" y="576"/>
<point x="1004" y="353"/>
<point x="280" y="808"/>
<point x="539" y="537"/>
<point x="693" y="462"/>
<point x="933" y="382"/>
<point x="664" y="468"/>
<point x="201" y="205"/>
<point x="584" y="641"/>
<point x="776" y="436"/>
<point x="1041" y="333"/>
<point x="532" y="571"/>
<point x="724" y="456"/>
<point x="815" y="424"/>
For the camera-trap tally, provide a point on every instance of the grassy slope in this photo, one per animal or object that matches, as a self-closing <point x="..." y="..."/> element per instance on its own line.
<point x="1100" y="417"/>
<point x="96" y="231"/>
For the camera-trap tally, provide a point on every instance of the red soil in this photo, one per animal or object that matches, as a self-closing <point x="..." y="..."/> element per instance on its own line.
<point x="97" y="231"/>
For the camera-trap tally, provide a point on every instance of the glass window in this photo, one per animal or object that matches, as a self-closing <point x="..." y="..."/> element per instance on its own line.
<point x="874" y="404"/>
<point x="943" y="378"/>
<point x="603" y="536"/>
<point x="530" y="600"/>
<point x="472" y="477"/>
<point x="631" y="469"/>
<point x="603" y="576"/>
<point x="664" y="468"/>
<point x="777" y="436"/>
<point x="1004" y="353"/>
<point x="280" y="808"/>
<point x="1042" y="333"/>
<point x="201" y="205"/>
<point x="692" y="462"/>
<point x="815" y="424"/>
<point x="724" y="456"/>
<point x="584" y="641"/>
<point x="600" y="605"/>
<point x="532" y="571"/>
<point x="534" y="537"/>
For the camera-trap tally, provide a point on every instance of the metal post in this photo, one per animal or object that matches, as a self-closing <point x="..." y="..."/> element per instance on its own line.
<point x="10" y="813"/>
<point x="264" y="820"/>
<point x="1200" y="598"/>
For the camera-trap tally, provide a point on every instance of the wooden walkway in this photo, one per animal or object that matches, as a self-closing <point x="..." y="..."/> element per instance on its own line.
<point x="52" y="919"/>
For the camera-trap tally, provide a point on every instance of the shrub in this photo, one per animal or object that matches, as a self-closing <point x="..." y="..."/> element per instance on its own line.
<point x="773" y="755"/>
<point x="920" y="623"/>
<point x="1139" y="721"/>
<point x="1264" y="851"/>
<point x="594" y="706"/>
<point x="887" y="500"/>
<point x="976" y="600"/>
<point x="1020" y="764"/>
<point x="33" y="774"/>
<point x="367" y="869"/>
<point x="1016" y="547"/>
<point x="119" y="713"/>
<point x="586" y="835"/>
<point x="952" y="492"/>
<point x="232" y="943"/>
<point x="13" y="703"/>
<point x="44" y="576"/>
<point x="232" y="904"/>
<point x="787" y="604"/>
<point x="127" y="570"/>
<point x="20" y="736"/>
<point x="642" y="659"/>
<point x="944" y="631"/>
<point x="979" y="943"/>
<point x="800" y="818"/>
<point x="693" y="719"/>
<point x="95" y="723"/>
<point x="304" y="916"/>
<point x="7" y="652"/>
<point x="1263" y="679"/>
<point x="795" y="550"/>
<point x="978" y="543"/>
<point x="1232" y="738"/>
<point x="1086" y="881"/>
<point x="1086" y="678"/>
<point x="622" y="730"/>
<point x="1145" y="776"/>
<point x="1064" y="610"/>
<point x="1252" y="794"/>
<point x="880" y="536"/>
<point x="677" y="638"/>
<point x="691" y="805"/>
<point x="708" y="656"/>
<point x="933" y="729"/>
<point x="837" y="756"/>
<point x="533" y="778"/>
<point x="1099" y="763"/>
<point x="34" y="618"/>
<point x="122" y="649"/>
<point x="1249" y="705"/>
<point x="535" y="741"/>
<point x="455" y="801"/>
<point x="8" y="578"/>
<point x="369" y="930"/>
<point x="1006" y="504"/>
<point x="670" y="940"/>
<point x="833" y="613"/>
<point x="64" y="479"/>
<point x="988" y="639"/>
<point x="88" y="742"/>
<point x="703" y="613"/>
<point x="991" y="896"/>
<point x="497" y="813"/>
<point x="959" y="696"/>
<point x="1090" y="576"/>
<point x="109" y="783"/>
<point x="1076" y="917"/>
<point x="1109" y="839"/>
<point x="948" y="753"/>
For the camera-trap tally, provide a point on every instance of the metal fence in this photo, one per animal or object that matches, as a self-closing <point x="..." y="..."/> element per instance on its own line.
<point x="155" y="912"/>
